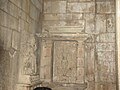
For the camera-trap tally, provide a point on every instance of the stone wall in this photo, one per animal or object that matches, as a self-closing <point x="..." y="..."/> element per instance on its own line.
<point x="118" y="38"/>
<point x="95" y="18"/>
<point x="19" y="21"/>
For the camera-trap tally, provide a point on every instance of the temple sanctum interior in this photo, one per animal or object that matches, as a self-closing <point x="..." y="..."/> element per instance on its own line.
<point x="59" y="44"/>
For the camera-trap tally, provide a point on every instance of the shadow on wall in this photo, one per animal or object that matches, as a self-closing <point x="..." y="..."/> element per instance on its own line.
<point x="4" y="68"/>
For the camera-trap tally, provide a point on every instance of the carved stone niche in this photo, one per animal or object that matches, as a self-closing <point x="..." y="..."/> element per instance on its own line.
<point x="62" y="61"/>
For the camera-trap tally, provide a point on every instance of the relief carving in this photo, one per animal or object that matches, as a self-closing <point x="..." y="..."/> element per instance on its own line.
<point x="65" y="61"/>
<point x="29" y="58"/>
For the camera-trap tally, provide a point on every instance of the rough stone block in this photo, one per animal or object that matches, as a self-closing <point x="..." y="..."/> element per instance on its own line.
<point x="15" y="40"/>
<point x="63" y="16"/>
<point x="105" y="7"/>
<point x="13" y="23"/>
<point x="105" y="47"/>
<point x="107" y="37"/>
<point x="4" y="5"/>
<point x="3" y="18"/>
<point x="80" y="75"/>
<point x="4" y="36"/>
<point x="21" y="25"/>
<point x="57" y="16"/>
<point x="13" y="10"/>
<point x="22" y="14"/>
<point x="90" y="23"/>
<point x="46" y="54"/>
<point x="34" y="15"/>
<point x="37" y="3"/>
<point x="47" y="6"/>
<point x="54" y="23"/>
<point x="105" y="86"/>
<point x="8" y="39"/>
<point x="26" y="5"/>
<point x="111" y="23"/>
<point x="55" y="7"/>
<point x="32" y="27"/>
<point x="78" y="23"/>
<point x="59" y="7"/>
<point x="107" y="71"/>
<point x="100" y="23"/>
<point x="106" y="56"/>
<point x="81" y="7"/>
<point x="77" y="16"/>
<point x="16" y="2"/>
<point x="45" y="73"/>
<point x="67" y="23"/>
<point x="89" y="61"/>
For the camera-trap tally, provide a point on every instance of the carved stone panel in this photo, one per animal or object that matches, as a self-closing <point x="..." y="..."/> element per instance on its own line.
<point x="65" y="61"/>
<point x="29" y="66"/>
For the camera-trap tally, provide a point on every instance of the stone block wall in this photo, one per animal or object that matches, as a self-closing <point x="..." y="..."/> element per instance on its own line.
<point x="97" y="19"/>
<point x="19" y="21"/>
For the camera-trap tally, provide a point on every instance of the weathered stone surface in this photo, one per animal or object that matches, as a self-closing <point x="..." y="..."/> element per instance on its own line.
<point x="55" y="7"/>
<point x="37" y="3"/>
<point x="57" y="16"/>
<point x="64" y="65"/>
<point x="34" y="15"/>
<point x="46" y="53"/>
<point x="4" y="5"/>
<point x="59" y="7"/>
<point x="4" y="69"/>
<point x="81" y="7"/>
<point x="90" y="23"/>
<point x="12" y="23"/>
<point x="32" y="26"/>
<point x="100" y="23"/>
<point x="45" y="73"/>
<point x="23" y="25"/>
<point x="79" y="0"/>
<point x="47" y="6"/>
<point x="3" y="18"/>
<point x="105" y="86"/>
<point x="15" y="40"/>
<point x="13" y="10"/>
<point x="107" y="37"/>
<point x="69" y="23"/>
<point x="28" y="57"/>
<point x="16" y="2"/>
<point x="90" y="62"/>
<point x="25" y="5"/>
<point x="106" y="56"/>
<point x="63" y="16"/>
<point x="8" y="40"/>
<point x="63" y="29"/>
<point x="107" y="71"/>
<point x="105" y="7"/>
<point x="3" y="35"/>
<point x="105" y="47"/>
<point x="111" y="23"/>
<point x="22" y="14"/>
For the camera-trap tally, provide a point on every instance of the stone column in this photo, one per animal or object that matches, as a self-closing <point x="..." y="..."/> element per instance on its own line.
<point x="118" y="37"/>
